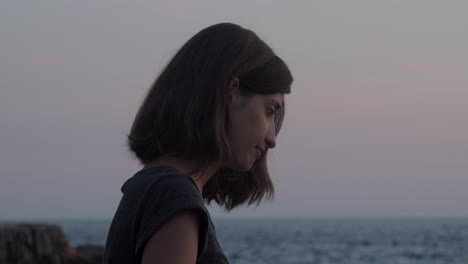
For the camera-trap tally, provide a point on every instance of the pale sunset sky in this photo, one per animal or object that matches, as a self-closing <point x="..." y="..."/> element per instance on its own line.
<point x="376" y="124"/>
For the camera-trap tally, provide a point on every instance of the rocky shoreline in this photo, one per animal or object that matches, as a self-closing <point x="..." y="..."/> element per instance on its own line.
<point x="24" y="243"/>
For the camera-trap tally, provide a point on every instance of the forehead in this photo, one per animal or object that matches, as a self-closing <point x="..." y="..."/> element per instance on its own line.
<point x="278" y="97"/>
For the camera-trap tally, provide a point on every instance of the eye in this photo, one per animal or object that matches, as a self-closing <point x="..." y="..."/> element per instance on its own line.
<point x="272" y="111"/>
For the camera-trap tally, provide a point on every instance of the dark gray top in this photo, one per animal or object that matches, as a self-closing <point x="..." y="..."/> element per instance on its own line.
<point x="149" y="198"/>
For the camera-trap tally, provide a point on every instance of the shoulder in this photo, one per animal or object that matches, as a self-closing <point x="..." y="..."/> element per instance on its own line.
<point x="174" y="186"/>
<point x="165" y="181"/>
<point x="181" y="231"/>
<point x="167" y="201"/>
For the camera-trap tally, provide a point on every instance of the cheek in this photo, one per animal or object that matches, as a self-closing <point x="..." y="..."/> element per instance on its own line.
<point x="247" y="129"/>
<point x="236" y="135"/>
<point x="259" y="124"/>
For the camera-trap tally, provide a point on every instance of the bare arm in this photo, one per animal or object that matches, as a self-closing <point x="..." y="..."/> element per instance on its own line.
<point x="176" y="241"/>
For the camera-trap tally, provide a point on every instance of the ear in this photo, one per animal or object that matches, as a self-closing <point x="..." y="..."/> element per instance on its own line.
<point x="233" y="89"/>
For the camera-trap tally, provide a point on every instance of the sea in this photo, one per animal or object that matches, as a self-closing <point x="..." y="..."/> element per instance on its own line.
<point x="320" y="241"/>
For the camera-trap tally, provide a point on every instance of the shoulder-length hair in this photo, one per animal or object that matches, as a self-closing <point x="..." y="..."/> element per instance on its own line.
<point x="185" y="112"/>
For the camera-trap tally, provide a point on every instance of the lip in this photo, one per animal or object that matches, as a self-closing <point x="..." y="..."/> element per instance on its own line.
<point x="259" y="152"/>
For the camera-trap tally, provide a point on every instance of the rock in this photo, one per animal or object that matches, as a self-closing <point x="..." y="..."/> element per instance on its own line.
<point x="91" y="253"/>
<point x="33" y="244"/>
<point x="43" y="244"/>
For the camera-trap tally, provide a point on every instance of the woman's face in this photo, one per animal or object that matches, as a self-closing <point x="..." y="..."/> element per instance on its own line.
<point x="252" y="127"/>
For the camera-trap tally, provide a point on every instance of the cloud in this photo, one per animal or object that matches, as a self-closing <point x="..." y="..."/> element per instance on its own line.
<point x="176" y="10"/>
<point x="40" y="60"/>
<point x="419" y="68"/>
<point x="360" y="104"/>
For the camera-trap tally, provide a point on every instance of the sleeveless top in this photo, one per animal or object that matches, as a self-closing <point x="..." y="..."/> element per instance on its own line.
<point x="150" y="198"/>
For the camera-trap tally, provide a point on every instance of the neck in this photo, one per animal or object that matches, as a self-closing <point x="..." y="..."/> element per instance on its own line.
<point x="184" y="166"/>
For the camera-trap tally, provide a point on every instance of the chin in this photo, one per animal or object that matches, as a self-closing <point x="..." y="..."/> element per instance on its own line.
<point x="249" y="166"/>
<point x="243" y="166"/>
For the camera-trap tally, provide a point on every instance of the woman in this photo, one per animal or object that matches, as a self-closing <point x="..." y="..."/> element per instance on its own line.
<point x="202" y="133"/>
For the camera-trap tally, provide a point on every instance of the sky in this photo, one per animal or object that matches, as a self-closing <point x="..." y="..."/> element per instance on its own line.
<point x="376" y="124"/>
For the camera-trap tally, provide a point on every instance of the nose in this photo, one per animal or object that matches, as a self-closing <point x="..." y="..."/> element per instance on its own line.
<point x="270" y="140"/>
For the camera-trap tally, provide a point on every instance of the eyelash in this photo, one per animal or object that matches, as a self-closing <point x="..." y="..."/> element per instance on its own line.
<point x="272" y="111"/>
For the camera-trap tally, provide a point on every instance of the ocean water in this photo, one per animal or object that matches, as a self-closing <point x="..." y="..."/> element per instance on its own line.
<point x="321" y="241"/>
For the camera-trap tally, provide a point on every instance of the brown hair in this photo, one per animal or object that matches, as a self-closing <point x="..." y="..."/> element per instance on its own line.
<point x="185" y="113"/>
